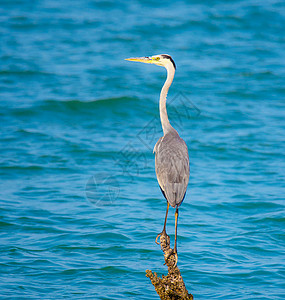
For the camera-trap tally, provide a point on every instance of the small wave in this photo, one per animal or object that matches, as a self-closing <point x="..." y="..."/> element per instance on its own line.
<point x="24" y="73"/>
<point x="75" y="104"/>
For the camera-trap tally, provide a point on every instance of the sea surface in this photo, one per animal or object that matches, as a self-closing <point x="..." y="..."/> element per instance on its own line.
<point x="80" y="203"/>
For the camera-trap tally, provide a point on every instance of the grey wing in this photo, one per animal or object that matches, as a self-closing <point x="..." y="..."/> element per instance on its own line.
<point x="157" y="144"/>
<point x="172" y="168"/>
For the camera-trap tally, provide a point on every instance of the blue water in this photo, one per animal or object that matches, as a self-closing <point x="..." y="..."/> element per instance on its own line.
<point x="80" y="204"/>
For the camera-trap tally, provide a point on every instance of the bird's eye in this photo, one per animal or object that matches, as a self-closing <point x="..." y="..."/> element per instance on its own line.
<point x="157" y="58"/>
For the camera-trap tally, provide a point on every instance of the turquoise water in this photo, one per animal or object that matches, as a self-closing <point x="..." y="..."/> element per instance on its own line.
<point x="80" y="204"/>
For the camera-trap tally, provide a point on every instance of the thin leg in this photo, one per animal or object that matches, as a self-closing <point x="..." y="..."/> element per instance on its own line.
<point x="176" y="221"/>
<point x="174" y="251"/>
<point x="164" y="226"/>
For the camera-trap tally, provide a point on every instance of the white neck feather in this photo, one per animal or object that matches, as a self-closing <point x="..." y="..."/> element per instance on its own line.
<point x="162" y="102"/>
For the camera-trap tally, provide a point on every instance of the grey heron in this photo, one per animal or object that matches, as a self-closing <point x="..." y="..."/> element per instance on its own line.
<point x="171" y="153"/>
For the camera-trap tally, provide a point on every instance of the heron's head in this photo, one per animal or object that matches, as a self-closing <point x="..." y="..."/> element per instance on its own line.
<point x="163" y="60"/>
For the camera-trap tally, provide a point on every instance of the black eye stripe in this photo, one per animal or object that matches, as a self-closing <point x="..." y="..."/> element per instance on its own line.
<point x="170" y="58"/>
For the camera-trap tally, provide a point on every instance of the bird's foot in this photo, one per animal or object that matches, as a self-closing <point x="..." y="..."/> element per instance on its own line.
<point x="164" y="239"/>
<point x="170" y="253"/>
<point x="157" y="238"/>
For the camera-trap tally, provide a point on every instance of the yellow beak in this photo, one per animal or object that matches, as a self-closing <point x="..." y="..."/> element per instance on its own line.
<point x="147" y="60"/>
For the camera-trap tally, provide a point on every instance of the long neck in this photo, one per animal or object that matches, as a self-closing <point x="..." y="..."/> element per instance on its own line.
<point x="162" y="102"/>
